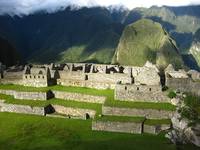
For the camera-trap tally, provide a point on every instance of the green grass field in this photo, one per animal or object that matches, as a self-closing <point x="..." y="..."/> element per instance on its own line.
<point x="27" y="132"/>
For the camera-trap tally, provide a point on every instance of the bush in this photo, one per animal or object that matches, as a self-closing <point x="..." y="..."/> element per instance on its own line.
<point x="189" y="113"/>
<point x="192" y="101"/>
<point x="172" y="94"/>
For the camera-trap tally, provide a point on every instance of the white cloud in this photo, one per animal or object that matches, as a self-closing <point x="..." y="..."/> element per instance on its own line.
<point x="30" y="6"/>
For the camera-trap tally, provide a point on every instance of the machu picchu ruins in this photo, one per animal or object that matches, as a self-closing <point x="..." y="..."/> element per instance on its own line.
<point x="126" y="84"/>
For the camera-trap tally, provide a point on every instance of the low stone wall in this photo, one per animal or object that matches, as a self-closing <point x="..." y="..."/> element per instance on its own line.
<point x="11" y="81"/>
<point x="139" y="93"/>
<point x="22" y="109"/>
<point x="27" y="95"/>
<point x="85" y="83"/>
<point x="123" y="127"/>
<point x="148" y="113"/>
<point x="8" y="92"/>
<point x="31" y="95"/>
<point x="74" y="112"/>
<point x="79" y="97"/>
<point x="155" y="129"/>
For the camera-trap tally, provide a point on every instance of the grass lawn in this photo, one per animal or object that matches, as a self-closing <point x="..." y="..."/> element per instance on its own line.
<point x="28" y="132"/>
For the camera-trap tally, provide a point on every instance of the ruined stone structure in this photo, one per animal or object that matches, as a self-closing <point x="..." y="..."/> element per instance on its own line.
<point x="130" y="83"/>
<point x="93" y="76"/>
<point x="37" y="77"/>
<point x="182" y="80"/>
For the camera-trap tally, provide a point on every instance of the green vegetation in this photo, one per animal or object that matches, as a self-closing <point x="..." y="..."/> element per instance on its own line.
<point x="140" y="105"/>
<point x="157" y="121"/>
<point x="27" y="132"/>
<point x="191" y="110"/>
<point x="171" y="94"/>
<point x="8" y="54"/>
<point x="147" y="40"/>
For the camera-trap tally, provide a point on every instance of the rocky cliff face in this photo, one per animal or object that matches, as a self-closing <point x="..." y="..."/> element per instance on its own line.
<point x="195" y="48"/>
<point x="147" y="40"/>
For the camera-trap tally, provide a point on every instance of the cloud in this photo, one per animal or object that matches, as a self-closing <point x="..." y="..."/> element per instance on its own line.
<point x="24" y="7"/>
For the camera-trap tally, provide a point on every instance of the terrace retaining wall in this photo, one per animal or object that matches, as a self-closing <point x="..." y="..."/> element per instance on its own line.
<point x="28" y="95"/>
<point x="71" y="112"/>
<point x="148" y="113"/>
<point x="124" y="127"/>
<point x="22" y="109"/>
<point x="79" y="97"/>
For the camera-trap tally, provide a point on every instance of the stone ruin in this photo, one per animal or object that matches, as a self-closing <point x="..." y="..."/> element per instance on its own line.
<point x="183" y="81"/>
<point x="129" y="82"/>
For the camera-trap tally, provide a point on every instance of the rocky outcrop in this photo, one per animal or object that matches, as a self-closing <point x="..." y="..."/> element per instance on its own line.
<point x="184" y="130"/>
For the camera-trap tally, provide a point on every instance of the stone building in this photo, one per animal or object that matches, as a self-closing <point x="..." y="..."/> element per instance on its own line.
<point x="93" y="75"/>
<point x="37" y="77"/>
<point x="182" y="80"/>
<point x="11" y="75"/>
<point x="146" y="86"/>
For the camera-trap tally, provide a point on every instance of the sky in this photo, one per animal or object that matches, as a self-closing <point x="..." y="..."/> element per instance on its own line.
<point x="25" y="7"/>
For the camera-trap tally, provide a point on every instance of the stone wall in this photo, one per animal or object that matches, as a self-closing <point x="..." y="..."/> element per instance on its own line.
<point x="89" y="84"/>
<point x="124" y="127"/>
<point x="148" y="113"/>
<point x="11" y="81"/>
<point x="184" y="85"/>
<point x="12" y="78"/>
<point x="35" y="80"/>
<point x="22" y="109"/>
<point x="109" y="78"/>
<point x="142" y="93"/>
<point x="155" y="129"/>
<point x="74" y="112"/>
<point x="31" y="95"/>
<point x="72" y="75"/>
<point x="8" y="92"/>
<point x="27" y="95"/>
<point x="79" y="97"/>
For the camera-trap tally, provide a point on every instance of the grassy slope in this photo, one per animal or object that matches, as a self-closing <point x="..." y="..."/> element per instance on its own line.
<point x="26" y="132"/>
<point x="142" y="41"/>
